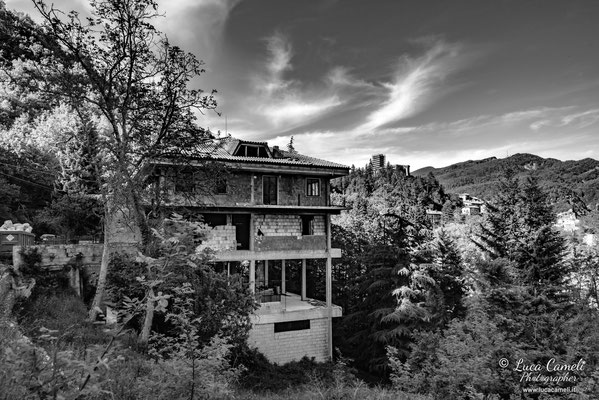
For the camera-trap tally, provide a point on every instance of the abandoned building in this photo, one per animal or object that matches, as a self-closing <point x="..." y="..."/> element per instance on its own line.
<point x="269" y="216"/>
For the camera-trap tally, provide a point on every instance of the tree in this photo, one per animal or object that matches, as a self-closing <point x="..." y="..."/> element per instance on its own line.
<point x="384" y="231"/>
<point x="519" y="229"/>
<point x="124" y="76"/>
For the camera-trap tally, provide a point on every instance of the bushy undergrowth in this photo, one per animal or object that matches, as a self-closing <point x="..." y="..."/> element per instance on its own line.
<point x="261" y="376"/>
<point x="305" y="380"/>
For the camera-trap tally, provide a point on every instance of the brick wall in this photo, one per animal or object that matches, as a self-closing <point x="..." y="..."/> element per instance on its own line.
<point x="284" y="347"/>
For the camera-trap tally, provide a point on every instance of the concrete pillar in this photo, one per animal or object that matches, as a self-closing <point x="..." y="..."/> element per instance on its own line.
<point x="253" y="276"/>
<point x="303" y="279"/>
<point x="266" y="273"/>
<point x="283" y="285"/>
<point x="329" y="286"/>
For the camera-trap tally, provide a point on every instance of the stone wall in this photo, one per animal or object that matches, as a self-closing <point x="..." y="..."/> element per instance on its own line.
<point x="58" y="255"/>
<point x="284" y="347"/>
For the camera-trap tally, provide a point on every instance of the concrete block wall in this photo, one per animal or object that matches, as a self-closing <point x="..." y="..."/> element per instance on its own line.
<point x="319" y="225"/>
<point x="286" y="225"/>
<point x="284" y="347"/>
<point x="279" y="225"/>
<point x="220" y="238"/>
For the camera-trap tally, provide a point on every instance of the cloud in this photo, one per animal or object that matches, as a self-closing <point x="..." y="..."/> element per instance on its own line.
<point x="340" y="77"/>
<point x="577" y="120"/>
<point x="284" y="102"/>
<point x="415" y="83"/>
<point x="279" y="61"/>
<point x="199" y="24"/>
<point x="477" y="123"/>
<point x="293" y="111"/>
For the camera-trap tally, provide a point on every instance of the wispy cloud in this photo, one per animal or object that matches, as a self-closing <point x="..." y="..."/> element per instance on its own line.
<point x="415" y="83"/>
<point x="577" y="120"/>
<point x="341" y="77"/>
<point x="283" y="101"/>
<point x="278" y="62"/>
<point x="200" y="24"/>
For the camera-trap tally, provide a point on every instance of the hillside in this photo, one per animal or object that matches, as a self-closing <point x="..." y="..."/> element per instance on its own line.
<point x="570" y="184"/>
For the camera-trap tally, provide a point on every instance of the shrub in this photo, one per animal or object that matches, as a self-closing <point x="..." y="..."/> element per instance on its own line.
<point x="262" y="376"/>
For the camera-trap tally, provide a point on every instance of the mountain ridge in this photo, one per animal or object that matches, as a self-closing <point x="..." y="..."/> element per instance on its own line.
<point x="570" y="184"/>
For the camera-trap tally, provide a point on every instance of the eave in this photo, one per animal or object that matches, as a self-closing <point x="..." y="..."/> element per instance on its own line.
<point x="268" y="209"/>
<point x="270" y="166"/>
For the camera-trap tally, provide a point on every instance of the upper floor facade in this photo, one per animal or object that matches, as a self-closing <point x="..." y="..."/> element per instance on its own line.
<point x="237" y="174"/>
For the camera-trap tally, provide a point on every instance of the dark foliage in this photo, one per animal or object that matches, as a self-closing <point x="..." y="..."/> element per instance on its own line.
<point x="382" y="235"/>
<point x="261" y="376"/>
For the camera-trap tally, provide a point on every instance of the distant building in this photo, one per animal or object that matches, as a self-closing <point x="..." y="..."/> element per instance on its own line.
<point x="378" y="161"/>
<point x="472" y="205"/>
<point x="435" y="217"/>
<point x="471" y="210"/>
<point x="567" y="221"/>
<point x="469" y="200"/>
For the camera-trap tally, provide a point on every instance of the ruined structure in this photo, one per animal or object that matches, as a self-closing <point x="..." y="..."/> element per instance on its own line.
<point x="269" y="216"/>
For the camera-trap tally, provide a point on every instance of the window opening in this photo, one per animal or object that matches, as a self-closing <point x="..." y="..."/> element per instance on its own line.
<point x="307" y="225"/>
<point x="312" y="187"/>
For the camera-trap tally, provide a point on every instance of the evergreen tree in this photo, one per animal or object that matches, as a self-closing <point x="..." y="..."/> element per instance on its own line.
<point x="386" y="224"/>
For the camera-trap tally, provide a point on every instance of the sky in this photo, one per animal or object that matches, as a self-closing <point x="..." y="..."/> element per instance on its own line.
<point x="425" y="82"/>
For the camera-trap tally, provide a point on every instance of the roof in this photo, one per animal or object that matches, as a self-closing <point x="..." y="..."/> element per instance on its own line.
<point x="224" y="150"/>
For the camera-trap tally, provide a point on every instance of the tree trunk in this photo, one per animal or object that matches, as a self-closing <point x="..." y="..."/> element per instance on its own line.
<point x="101" y="285"/>
<point x="144" y="336"/>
